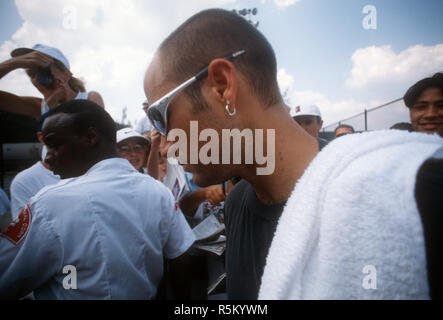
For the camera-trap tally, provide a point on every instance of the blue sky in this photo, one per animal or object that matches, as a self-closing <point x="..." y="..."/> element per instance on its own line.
<point x="323" y="35"/>
<point x="324" y="54"/>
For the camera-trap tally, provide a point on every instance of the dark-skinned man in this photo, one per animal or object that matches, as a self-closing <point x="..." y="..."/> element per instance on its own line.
<point x="105" y="222"/>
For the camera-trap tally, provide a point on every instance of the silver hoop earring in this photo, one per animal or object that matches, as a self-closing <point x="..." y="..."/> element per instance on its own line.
<point x="228" y="111"/>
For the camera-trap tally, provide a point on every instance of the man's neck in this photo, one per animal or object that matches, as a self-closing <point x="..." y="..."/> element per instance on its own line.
<point x="103" y="153"/>
<point x="45" y="165"/>
<point x="106" y="153"/>
<point x="294" y="151"/>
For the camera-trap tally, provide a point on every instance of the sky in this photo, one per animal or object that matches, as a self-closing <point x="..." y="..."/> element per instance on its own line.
<point x="332" y="53"/>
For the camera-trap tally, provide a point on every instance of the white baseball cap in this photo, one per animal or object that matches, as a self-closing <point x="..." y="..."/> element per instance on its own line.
<point x="127" y="133"/>
<point x="308" y="110"/>
<point x="50" y="51"/>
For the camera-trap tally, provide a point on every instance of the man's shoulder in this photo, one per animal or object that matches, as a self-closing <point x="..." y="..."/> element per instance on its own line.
<point x="239" y="190"/>
<point x="156" y="187"/>
<point x="24" y="175"/>
<point x="49" y="192"/>
<point x="380" y="141"/>
<point x="359" y="160"/>
<point x="236" y="199"/>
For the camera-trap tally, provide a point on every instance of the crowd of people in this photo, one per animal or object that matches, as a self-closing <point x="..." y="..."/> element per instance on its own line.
<point x="99" y="198"/>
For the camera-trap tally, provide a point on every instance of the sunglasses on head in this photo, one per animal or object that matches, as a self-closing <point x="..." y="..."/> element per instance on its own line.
<point x="157" y="112"/>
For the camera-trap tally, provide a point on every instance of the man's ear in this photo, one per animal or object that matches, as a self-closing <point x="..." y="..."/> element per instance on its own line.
<point x="92" y="136"/>
<point x="40" y="137"/>
<point x="222" y="80"/>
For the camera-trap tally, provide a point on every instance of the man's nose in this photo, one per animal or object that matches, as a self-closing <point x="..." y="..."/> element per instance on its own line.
<point x="431" y="111"/>
<point x="132" y="152"/>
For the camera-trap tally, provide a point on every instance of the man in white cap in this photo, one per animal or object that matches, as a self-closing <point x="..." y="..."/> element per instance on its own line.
<point x="133" y="147"/>
<point x="309" y="118"/>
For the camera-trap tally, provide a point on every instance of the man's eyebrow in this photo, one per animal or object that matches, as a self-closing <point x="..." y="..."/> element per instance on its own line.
<point x="426" y="101"/>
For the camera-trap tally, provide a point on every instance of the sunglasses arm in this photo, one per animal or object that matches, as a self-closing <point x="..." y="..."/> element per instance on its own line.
<point x="204" y="72"/>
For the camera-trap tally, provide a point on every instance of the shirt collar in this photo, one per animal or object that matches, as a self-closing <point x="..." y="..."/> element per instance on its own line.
<point x="111" y="163"/>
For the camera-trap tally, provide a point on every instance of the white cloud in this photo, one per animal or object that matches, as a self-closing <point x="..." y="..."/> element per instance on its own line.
<point x="282" y="3"/>
<point x="337" y="110"/>
<point x="285" y="3"/>
<point x="285" y="81"/>
<point x="110" y="46"/>
<point x="378" y="67"/>
<point x="332" y="111"/>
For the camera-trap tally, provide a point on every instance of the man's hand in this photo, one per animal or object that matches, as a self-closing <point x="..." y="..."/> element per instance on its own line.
<point x="155" y="138"/>
<point x="215" y="194"/>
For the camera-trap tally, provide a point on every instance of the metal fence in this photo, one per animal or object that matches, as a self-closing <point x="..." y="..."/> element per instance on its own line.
<point x="378" y="118"/>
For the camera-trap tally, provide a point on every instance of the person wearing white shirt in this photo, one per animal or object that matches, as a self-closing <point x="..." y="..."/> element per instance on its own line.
<point x="27" y="183"/>
<point x="103" y="231"/>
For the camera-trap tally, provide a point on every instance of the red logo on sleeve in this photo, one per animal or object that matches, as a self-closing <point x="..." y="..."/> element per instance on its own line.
<point x="19" y="227"/>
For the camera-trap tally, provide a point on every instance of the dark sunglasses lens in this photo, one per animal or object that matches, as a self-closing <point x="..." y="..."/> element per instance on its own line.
<point x="157" y="120"/>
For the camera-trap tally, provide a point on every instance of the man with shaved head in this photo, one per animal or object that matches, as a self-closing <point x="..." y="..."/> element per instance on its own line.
<point x="240" y="92"/>
<point x="104" y="231"/>
<point x="220" y="72"/>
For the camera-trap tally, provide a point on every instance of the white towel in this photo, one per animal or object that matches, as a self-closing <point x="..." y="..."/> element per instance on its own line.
<point x="351" y="228"/>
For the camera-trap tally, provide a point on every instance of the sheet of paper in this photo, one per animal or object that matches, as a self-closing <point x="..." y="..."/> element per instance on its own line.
<point x="175" y="180"/>
<point x="208" y="228"/>
<point x="217" y="248"/>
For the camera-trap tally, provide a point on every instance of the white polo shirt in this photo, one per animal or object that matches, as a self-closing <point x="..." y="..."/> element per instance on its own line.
<point x="27" y="183"/>
<point x="113" y="224"/>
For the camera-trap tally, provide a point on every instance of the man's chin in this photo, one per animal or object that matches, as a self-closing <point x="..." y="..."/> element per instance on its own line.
<point x="431" y="130"/>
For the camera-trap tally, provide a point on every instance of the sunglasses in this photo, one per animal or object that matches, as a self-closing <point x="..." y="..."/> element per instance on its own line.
<point x="126" y="150"/>
<point x="157" y="112"/>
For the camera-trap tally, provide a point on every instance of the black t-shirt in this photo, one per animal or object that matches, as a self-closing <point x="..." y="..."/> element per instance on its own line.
<point x="429" y="192"/>
<point x="250" y="227"/>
